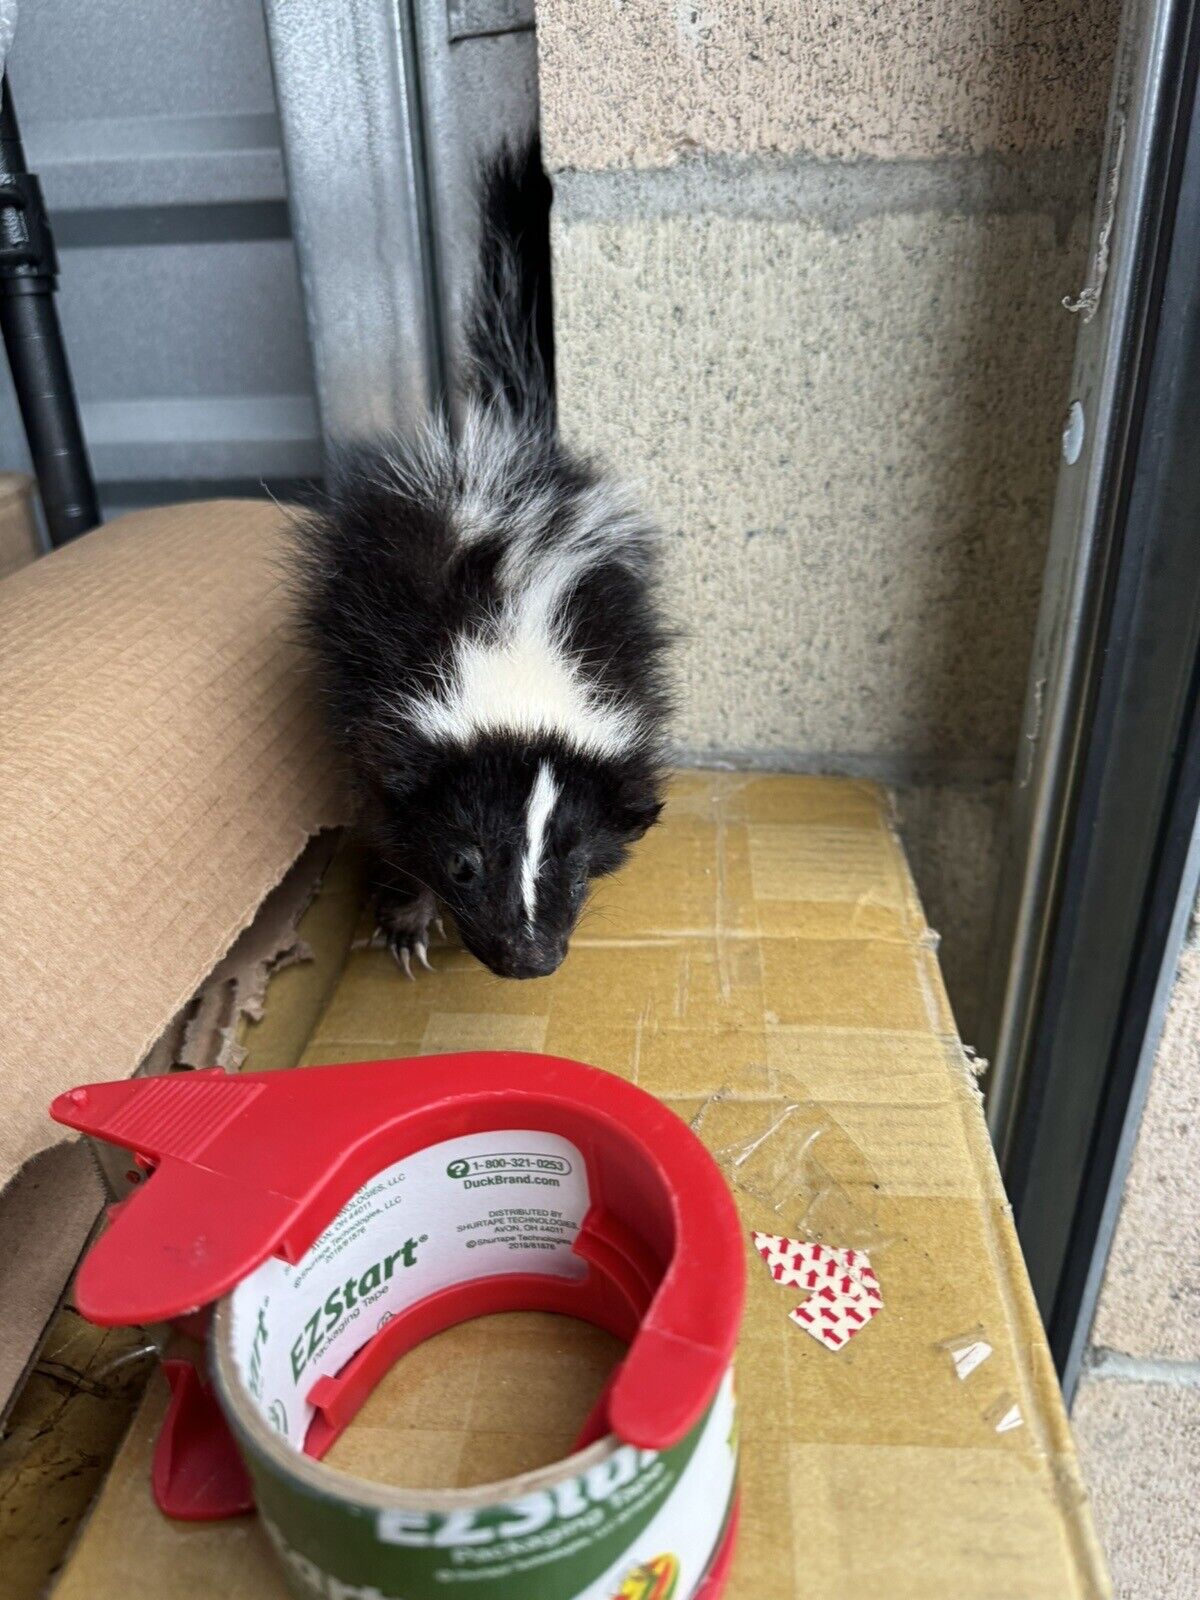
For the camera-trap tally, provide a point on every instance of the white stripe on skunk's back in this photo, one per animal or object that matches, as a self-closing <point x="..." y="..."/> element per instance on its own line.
<point x="518" y="679"/>
<point x="514" y="674"/>
<point x="542" y="797"/>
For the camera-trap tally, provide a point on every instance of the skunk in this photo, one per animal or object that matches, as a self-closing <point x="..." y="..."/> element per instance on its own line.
<point x="482" y="606"/>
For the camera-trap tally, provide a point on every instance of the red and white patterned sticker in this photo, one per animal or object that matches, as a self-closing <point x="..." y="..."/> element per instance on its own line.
<point x="843" y="1291"/>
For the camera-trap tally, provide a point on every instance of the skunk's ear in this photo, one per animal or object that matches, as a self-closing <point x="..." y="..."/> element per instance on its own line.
<point x="638" y="817"/>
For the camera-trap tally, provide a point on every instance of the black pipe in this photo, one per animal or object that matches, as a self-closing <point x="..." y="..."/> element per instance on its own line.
<point x="33" y="339"/>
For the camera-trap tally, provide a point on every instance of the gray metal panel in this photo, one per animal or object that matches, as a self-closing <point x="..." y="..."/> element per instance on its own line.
<point x="474" y="19"/>
<point x="154" y="131"/>
<point x="195" y="319"/>
<point x="217" y="438"/>
<point x="352" y="143"/>
<point x="1065" y="640"/>
<point x="479" y="89"/>
<point x="155" y="161"/>
<point x="385" y="109"/>
<point x="104" y="59"/>
<point x="206" y="437"/>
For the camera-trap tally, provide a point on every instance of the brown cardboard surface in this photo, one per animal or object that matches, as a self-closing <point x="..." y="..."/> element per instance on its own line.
<point x="19" y="542"/>
<point x="46" y="1216"/>
<point x="161" y="768"/>
<point x="765" y="967"/>
<point x="58" y="1441"/>
<point x="234" y="993"/>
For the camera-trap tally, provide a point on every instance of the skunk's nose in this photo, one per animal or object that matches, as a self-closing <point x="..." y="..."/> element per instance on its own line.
<point x="533" y="961"/>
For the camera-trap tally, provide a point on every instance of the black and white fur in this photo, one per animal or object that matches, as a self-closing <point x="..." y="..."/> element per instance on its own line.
<point x="482" y="606"/>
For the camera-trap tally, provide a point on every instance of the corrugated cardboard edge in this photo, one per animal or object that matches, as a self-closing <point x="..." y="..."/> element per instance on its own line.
<point x="236" y="991"/>
<point x="20" y="542"/>
<point x="326" y="905"/>
<point x="167" y="768"/>
<point x="48" y="1211"/>
<point x="208" y="1031"/>
<point x="1041" y="1400"/>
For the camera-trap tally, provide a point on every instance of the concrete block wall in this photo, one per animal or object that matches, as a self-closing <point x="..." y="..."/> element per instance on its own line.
<point x="1137" y="1408"/>
<point x="809" y="266"/>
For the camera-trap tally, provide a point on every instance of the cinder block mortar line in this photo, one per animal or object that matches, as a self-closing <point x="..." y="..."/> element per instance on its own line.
<point x="1105" y="1364"/>
<point x="884" y="766"/>
<point x="836" y="194"/>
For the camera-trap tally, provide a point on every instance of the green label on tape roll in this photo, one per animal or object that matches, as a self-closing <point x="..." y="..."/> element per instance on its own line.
<point x="588" y="1535"/>
<point x="611" y="1523"/>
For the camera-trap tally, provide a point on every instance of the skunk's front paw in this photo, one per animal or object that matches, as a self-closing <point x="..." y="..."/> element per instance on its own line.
<point x="403" y="925"/>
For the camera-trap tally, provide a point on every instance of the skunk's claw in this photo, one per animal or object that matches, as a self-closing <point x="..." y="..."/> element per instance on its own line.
<point x="403" y="927"/>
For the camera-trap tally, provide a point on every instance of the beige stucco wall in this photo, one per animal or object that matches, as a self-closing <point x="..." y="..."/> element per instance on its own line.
<point x="809" y="266"/>
<point x="850" y="452"/>
<point x="631" y="83"/>
<point x="1137" y="1411"/>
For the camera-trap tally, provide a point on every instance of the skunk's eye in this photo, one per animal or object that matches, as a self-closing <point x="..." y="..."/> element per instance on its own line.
<point x="464" y="866"/>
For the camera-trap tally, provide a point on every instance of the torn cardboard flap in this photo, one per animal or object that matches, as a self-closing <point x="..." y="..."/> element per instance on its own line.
<point x="162" y="767"/>
<point x="236" y="990"/>
<point x="799" y="1015"/>
<point x="209" y="1030"/>
<point x="48" y="1210"/>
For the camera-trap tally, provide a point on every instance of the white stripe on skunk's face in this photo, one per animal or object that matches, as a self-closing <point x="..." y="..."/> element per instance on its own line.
<point x="542" y="796"/>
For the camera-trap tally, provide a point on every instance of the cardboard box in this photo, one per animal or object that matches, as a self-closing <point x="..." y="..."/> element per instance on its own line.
<point x="764" y="966"/>
<point x="162" y="768"/>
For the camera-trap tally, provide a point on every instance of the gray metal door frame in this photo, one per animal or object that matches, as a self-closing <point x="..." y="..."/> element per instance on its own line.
<point x="1103" y="867"/>
<point x="385" y="108"/>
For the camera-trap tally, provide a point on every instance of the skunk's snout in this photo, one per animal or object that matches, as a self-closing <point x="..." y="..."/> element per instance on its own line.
<point x="528" y="959"/>
<point x="532" y="963"/>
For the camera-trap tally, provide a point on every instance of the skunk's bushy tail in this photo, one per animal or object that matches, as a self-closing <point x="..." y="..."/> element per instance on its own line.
<point x="510" y="339"/>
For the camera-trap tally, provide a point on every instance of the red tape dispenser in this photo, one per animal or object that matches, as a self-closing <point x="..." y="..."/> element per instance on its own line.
<point x="338" y="1216"/>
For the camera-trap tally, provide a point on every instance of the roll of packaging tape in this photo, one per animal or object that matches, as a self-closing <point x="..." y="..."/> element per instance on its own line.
<point x="338" y="1216"/>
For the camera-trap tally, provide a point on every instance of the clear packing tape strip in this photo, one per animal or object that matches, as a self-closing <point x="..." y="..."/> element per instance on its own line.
<point x="799" y="1172"/>
<point x="337" y="1217"/>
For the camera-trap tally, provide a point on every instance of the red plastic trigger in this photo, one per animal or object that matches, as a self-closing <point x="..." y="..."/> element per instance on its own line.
<point x="198" y="1475"/>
